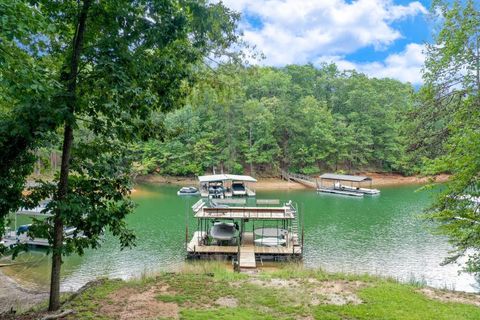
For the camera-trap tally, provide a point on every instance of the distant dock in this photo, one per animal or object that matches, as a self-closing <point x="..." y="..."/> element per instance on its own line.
<point x="337" y="185"/>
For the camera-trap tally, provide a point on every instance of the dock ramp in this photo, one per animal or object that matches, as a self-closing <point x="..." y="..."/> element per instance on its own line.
<point x="246" y="254"/>
<point x="247" y="257"/>
<point x="305" y="180"/>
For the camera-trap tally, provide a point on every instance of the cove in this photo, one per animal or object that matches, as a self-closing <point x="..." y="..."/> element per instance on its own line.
<point x="381" y="235"/>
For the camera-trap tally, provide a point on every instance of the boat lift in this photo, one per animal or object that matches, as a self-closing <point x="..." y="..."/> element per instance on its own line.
<point x="271" y="230"/>
<point x="226" y="186"/>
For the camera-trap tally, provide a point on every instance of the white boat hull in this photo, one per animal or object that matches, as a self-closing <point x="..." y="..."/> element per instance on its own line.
<point x="270" y="242"/>
<point x="366" y="191"/>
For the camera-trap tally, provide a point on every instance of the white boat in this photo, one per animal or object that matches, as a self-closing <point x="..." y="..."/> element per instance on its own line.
<point x="270" y="242"/>
<point x="340" y="192"/>
<point x="367" y="191"/>
<point x="188" y="191"/>
<point x="238" y="189"/>
<point x="223" y="231"/>
<point x="270" y="232"/>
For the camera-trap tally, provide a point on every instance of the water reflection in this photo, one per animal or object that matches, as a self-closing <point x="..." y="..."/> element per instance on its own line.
<point x="377" y="235"/>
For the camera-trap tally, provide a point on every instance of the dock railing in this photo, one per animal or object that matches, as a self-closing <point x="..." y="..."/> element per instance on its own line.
<point x="198" y="205"/>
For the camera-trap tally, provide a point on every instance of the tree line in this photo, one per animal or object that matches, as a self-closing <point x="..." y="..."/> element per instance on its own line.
<point x="301" y="118"/>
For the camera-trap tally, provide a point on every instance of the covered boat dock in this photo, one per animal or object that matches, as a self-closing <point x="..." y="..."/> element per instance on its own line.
<point x="14" y="237"/>
<point x="336" y="184"/>
<point x="257" y="233"/>
<point x="226" y="186"/>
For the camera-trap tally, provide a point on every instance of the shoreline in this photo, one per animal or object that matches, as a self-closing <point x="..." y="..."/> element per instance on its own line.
<point x="16" y="296"/>
<point x="273" y="183"/>
<point x="182" y="295"/>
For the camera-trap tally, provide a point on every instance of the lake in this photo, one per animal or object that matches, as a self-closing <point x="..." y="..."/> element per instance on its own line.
<point x="381" y="235"/>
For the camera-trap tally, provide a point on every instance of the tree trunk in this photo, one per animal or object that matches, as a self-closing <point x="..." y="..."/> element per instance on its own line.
<point x="250" y="147"/>
<point x="54" y="302"/>
<point x="62" y="192"/>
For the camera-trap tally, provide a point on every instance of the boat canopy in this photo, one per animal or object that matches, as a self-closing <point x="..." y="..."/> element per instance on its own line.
<point x="344" y="177"/>
<point x="226" y="212"/>
<point x="226" y="177"/>
<point x="34" y="212"/>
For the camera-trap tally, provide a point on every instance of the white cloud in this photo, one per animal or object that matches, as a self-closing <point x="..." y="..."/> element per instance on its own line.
<point x="297" y="31"/>
<point x="302" y="31"/>
<point x="405" y="66"/>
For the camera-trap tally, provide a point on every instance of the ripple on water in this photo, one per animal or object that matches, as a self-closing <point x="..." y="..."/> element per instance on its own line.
<point x="381" y="235"/>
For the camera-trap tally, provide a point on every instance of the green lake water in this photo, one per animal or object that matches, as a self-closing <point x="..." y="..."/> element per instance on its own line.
<point x="377" y="235"/>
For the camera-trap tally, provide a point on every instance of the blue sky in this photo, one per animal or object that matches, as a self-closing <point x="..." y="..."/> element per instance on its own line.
<point x="382" y="38"/>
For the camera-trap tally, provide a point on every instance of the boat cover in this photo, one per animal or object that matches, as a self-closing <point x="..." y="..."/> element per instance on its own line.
<point x="222" y="231"/>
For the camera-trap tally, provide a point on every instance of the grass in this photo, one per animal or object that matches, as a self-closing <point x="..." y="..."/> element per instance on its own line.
<point x="196" y="290"/>
<point x="386" y="300"/>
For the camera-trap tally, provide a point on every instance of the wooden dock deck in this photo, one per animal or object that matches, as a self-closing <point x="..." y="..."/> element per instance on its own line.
<point x="195" y="246"/>
<point x="243" y="247"/>
<point x="247" y="257"/>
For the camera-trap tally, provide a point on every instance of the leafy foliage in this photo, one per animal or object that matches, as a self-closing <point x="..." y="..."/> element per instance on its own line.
<point x="298" y="117"/>
<point x="94" y="73"/>
<point x="451" y="111"/>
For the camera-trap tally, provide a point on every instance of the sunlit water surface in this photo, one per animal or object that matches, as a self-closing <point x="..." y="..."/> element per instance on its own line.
<point x="381" y="235"/>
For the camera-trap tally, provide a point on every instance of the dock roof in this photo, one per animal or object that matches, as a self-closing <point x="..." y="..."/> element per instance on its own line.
<point x="276" y="213"/>
<point x="344" y="177"/>
<point x="225" y="177"/>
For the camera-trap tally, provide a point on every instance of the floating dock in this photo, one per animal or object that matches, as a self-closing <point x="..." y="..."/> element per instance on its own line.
<point x="334" y="185"/>
<point x="341" y="192"/>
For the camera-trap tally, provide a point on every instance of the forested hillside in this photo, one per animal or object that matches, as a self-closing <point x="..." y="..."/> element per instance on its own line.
<point x="301" y="118"/>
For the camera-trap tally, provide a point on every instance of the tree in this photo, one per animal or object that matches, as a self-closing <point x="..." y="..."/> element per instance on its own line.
<point x="452" y="101"/>
<point x="297" y="117"/>
<point x="259" y="146"/>
<point x="113" y="63"/>
<point x="27" y="86"/>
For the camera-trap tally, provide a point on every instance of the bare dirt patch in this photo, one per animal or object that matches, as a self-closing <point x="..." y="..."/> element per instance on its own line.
<point x="452" y="296"/>
<point x="180" y="181"/>
<point x="228" y="302"/>
<point x="275" y="283"/>
<point x="130" y="304"/>
<point x="390" y="179"/>
<point x="276" y="184"/>
<point x="336" y="292"/>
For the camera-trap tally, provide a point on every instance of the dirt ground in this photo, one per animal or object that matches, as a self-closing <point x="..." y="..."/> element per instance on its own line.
<point x="391" y="179"/>
<point x="15" y="297"/>
<point x="451" y="296"/>
<point x="379" y="180"/>
<point x="130" y="304"/>
<point x="261" y="184"/>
